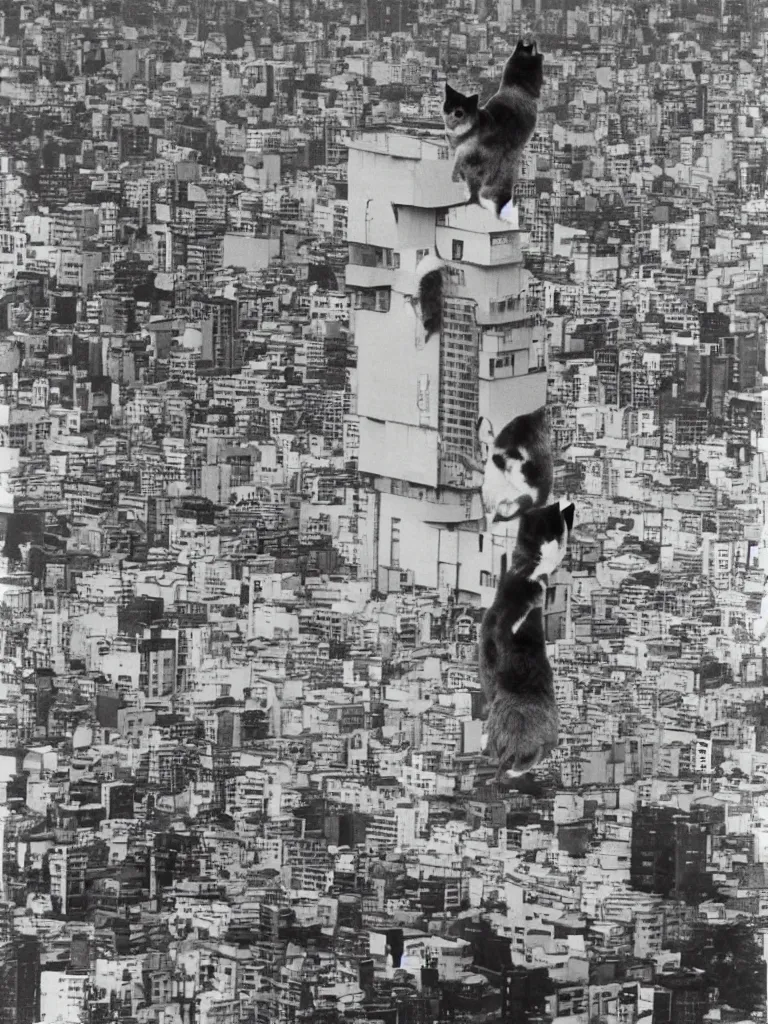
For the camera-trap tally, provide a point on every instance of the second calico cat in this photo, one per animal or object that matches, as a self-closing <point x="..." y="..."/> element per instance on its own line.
<point x="519" y="469"/>
<point x="431" y="277"/>
<point x="488" y="140"/>
<point x="513" y="668"/>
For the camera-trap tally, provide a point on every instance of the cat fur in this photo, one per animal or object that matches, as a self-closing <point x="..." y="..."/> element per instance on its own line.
<point x="431" y="272"/>
<point x="513" y="668"/>
<point x="519" y="469"/>
<point x="489" y="140"/>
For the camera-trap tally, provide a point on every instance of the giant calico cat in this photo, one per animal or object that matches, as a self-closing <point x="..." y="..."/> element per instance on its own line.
<point x="513" y="668"/>
<point x="489" y="140"/>
<point x="519" y="468"/>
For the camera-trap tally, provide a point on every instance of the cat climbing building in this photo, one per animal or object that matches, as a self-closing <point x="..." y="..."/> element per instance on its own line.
<point x="421" y="391"/>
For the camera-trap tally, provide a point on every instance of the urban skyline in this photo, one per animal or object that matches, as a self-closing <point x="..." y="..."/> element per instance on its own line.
<point x="245" y="560"/>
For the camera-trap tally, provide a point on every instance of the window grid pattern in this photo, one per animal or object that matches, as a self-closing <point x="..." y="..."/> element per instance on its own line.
<point x="459" y="376"/>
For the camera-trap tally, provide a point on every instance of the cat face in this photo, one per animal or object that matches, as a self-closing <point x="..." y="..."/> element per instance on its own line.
<point x="543" y="536"/>
<point x="459" y="111"/>
<point x="518" y="466"/>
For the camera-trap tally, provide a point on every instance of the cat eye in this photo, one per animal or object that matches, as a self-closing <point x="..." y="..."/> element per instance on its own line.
<point x="458" y="113"/>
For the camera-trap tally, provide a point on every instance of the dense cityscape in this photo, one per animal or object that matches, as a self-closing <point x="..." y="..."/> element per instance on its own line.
<point x="244" y="556"/>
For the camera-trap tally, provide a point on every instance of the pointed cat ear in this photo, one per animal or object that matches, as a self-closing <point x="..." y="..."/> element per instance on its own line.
<point x="449" y="91"/>
<point x="568" y="513"/>
<point x="470" y="103"/>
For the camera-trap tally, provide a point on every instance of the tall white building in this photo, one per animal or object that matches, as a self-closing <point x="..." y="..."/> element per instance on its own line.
<point x="418" y="399"/>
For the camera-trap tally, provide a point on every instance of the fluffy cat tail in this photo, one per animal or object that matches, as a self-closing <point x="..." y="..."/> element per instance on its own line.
<point x="431" y="274"/>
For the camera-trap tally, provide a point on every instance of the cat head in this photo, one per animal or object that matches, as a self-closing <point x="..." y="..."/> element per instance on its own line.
<point x="527" y="50"/>
<point x="459" y="111"/>
<point x="517" y="471"/>
<point x="542" y="539"/>
<point x="525" y="68"/>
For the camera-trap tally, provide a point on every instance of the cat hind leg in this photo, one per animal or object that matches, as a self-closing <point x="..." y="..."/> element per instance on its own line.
<point x="497" y="201"/>
<point x="508" y="212"/>
<point x="521" y="733"/>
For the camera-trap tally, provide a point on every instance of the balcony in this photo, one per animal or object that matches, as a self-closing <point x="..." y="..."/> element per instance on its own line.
<point x="359" y="276"/>
<point x="406" y="170"/>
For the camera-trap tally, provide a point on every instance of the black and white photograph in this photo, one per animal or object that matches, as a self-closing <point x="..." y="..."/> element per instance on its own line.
<point x="383" y="511"/>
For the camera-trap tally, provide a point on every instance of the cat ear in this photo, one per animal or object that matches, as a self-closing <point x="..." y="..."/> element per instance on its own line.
<point x="519" y="46"/>
<point x="450" y="91"/>
<point x="568" y="513"/>
<point x="470" y="103"/>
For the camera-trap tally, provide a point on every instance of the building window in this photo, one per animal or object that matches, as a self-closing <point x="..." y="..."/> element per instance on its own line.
<point x="394" y="544"/>
<point x="457" y="249"/>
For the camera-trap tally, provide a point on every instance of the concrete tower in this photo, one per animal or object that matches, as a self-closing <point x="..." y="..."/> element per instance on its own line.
<point x="419" y="400"/>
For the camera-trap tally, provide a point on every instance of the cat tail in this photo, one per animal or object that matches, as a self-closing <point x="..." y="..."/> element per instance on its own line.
<point x="522" y="732"/>
<point x="431" y="274"/>
<point x="511" y="74"/>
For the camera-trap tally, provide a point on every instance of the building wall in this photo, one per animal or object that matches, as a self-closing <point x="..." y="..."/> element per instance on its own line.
<point x="249" y="251"/>
<point x="421" y="397"/>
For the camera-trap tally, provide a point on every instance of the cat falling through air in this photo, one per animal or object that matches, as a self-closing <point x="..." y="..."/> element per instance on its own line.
<point x="513" y="668"/>
<point x="489" y="140"/>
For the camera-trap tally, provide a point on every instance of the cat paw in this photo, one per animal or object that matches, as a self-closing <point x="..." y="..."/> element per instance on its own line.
<point x="521" y="732"/>
<point x="508" y="212"/>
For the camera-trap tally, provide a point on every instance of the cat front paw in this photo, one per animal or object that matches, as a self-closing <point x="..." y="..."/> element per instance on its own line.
<point x="522" y="732"/>
<point x="456" y="174"/>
